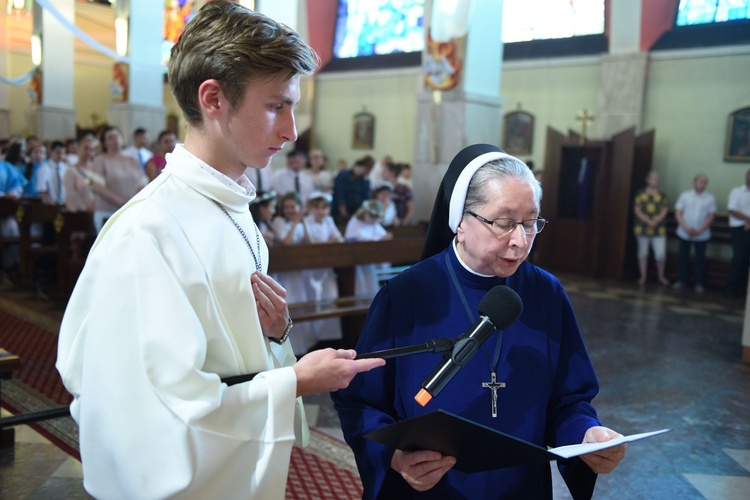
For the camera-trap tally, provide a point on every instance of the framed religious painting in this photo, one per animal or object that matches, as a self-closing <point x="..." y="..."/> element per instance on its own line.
<point x="737" y="146"/>
<point x="518" y="132"/>
<point x="363" y="134"/>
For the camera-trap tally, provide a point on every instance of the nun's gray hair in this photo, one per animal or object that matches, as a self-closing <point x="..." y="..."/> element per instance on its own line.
<point x="504" y="169"/>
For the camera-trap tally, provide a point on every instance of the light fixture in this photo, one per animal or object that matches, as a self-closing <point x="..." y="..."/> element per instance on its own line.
<point x="18" y="6"/>
<point x="36" y="50"/>
<point x="121" y="36"/>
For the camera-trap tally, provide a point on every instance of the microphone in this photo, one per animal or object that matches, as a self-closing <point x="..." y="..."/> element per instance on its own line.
<point x="498" y="309"/>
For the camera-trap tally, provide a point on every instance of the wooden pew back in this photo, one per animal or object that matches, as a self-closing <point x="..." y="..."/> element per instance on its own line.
<point x="8" y="209"/>
<point x="33" y="246"/>
<point x="343" y="258"/>
<point x="75" y="236"/>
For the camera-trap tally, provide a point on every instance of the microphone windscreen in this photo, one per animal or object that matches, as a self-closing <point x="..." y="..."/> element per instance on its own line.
<point x="502" y="306"/>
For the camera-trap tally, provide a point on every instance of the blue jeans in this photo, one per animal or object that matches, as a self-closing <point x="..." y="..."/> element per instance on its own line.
<point x="700" y="261"/>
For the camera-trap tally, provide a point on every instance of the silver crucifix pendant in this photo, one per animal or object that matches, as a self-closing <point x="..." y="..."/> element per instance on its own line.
<point x="493" y="385"/>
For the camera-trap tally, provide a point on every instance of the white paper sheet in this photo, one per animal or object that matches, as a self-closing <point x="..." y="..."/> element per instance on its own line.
<point x="575" y="450"/>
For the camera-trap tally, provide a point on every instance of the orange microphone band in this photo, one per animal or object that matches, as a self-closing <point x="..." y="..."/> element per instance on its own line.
<point x="423" y="397"/>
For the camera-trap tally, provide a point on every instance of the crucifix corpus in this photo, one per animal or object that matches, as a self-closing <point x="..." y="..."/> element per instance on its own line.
<point x="493" y="385"/>
<point x="585" y="118"/>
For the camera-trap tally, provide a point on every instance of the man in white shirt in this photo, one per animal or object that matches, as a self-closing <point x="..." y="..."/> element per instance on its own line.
<point x="294" y="179"/>
<point x="262" y="178"/>
<point x="49" y="180"/>
<point x="694" y="210"/>
<point x="376" y="174"/>
<point x="739" y="222"/>
<point x="139" y="149"/>
<point x="174" y="296"/>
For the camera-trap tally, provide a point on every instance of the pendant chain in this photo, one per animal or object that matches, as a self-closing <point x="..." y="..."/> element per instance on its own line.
<point x="244" y="236"/>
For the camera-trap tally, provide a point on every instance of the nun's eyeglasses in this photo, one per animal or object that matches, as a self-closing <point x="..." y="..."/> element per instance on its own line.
<point x="503" y="226"/>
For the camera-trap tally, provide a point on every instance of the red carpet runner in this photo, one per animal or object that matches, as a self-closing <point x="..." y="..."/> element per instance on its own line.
<point x="37" y="349"/>
<point x="37" y="386"/>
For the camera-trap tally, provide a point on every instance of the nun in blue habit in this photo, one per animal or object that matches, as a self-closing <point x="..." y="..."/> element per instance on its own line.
<point x="484" y="222"/>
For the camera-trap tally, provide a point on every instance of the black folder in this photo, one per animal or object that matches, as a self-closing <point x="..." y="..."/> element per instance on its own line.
<point x="477" y="447"/>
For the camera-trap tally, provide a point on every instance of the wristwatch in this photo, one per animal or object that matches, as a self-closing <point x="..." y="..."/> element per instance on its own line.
<point x="285" y="336"/>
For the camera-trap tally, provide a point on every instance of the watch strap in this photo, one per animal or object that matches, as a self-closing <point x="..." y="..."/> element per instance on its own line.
<point x="285" y="335"/>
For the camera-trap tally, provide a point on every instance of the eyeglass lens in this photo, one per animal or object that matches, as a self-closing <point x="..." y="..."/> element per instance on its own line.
<point x="530" y="226"/>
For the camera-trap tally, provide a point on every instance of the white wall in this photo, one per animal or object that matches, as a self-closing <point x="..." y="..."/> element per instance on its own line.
<point x="390" y="95"/>
<point x="92" y="94"/>
<point x="554" y="91"/>
<point x="688" y="102"/>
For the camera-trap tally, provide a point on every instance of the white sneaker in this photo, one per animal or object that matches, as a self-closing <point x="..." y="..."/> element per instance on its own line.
<point x="699" y="289"/>
<point x="678" y="285"/>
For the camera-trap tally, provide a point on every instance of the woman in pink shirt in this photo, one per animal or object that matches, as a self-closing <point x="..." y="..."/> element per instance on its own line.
<point x="164" y="144"/>
<point x="122" y="175"/>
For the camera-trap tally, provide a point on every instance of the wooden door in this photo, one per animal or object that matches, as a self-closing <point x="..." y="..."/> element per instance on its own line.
<point x="574" y="180"/>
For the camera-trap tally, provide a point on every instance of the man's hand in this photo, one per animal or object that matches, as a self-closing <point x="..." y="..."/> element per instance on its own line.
<point x="421" y="469"/>
<point x="603" y="461"/>
<point x="327" y="370"/>
<point x="270" y="299"/>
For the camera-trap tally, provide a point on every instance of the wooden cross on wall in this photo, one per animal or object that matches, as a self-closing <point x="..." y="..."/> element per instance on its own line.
<point x="585" y="118"/>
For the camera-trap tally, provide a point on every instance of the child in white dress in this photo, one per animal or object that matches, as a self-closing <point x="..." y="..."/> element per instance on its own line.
<point x="384" y="194"/>
<point x="321" y="283"/>
<point x="290" y="229"/>
<point x="263" y="208"/>
<point x="365" y="226"/>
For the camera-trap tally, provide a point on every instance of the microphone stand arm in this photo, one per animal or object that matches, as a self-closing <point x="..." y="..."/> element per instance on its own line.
<point x="434" y="345"/>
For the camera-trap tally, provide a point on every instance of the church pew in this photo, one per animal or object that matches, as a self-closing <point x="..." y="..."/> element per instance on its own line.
<point x="343" y="258"/>
<point x="75" y="235"/>
<point x="64" y="247"/>
<point x="34" y="247"/>
<point x="8" y="208"/>
<point x="411" y="231"/>
<point x="348" y="254"/>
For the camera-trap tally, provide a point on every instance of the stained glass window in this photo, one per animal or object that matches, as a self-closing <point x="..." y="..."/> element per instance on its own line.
<point x="378" y="27"/>
<point x="691" y="12"/>
<point x="526" y="20"/>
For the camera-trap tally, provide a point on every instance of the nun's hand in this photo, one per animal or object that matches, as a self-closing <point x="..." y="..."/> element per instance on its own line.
<point x="421" y="469"/>
<point x="603" y="461"/>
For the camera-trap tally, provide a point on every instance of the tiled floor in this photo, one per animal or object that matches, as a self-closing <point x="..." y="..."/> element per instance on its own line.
<point x="664" y="358"/>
